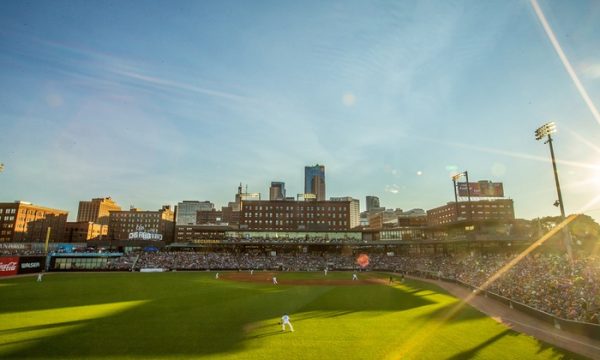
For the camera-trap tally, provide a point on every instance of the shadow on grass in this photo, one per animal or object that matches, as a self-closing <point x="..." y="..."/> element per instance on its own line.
<point x="543" y="346"/>
<point x="41" y="327"/>
<point x="450" y="313"/>
<point x="470" y="354"/>
<point x="267" y="334"/>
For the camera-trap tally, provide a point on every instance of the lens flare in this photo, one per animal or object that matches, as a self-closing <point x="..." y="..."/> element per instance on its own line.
<point x="362" y="260"/>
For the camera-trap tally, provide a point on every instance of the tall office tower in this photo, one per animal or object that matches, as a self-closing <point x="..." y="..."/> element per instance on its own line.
<point x="187" y="209"/>
<point x="97" y="210"/>
<point x="277" y="191"/>
<point x="314" y="181"/>
<point x="372" y="202"/>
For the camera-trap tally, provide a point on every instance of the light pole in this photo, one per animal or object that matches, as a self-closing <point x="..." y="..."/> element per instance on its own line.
<point x="454" y="179"/>
<point x="545" y="131"/>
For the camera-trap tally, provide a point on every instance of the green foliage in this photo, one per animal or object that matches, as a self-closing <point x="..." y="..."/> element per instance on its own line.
<point x="192" y="315"/>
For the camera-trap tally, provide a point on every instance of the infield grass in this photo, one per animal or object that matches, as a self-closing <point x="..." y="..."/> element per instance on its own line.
<point x="192" y="315"/>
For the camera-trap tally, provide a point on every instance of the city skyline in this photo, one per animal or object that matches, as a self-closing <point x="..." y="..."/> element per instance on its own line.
<point x="185" y="101"/>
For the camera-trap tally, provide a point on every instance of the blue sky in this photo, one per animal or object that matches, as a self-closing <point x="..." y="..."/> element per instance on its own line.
<point x="154" y="102"/>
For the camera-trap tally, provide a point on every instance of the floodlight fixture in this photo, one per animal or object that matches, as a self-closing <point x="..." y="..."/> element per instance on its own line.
<point x="545" y="130"/>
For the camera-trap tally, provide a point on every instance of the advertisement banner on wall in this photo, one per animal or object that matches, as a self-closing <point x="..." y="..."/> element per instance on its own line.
<point x="9" y="265"/>
<point x="31" y="264"/>
<point x="481" y="189"/>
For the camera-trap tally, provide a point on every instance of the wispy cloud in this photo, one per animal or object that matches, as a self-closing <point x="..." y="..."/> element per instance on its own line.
<point x="591" y="70"/>
<point x="393" y="189"/>
<point x="164" y="82"/>
<point x="513" y="154"/>
<point x="99" y="69"/>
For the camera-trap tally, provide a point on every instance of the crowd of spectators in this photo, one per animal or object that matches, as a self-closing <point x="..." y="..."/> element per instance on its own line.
<point x="21" y="252"/>
<point x="122" y="263"/>
<point x="291" y="240"/>
<point x="245" y="261"/>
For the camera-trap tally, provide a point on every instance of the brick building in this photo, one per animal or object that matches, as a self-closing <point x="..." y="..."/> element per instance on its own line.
<point x="21" y="221"/>
<point x="136" y="224"/>
<point x="289" y="215"/>
<point x="82" y="231"/>
<point x="482" y="210"/>
<point x="97" y="210"/>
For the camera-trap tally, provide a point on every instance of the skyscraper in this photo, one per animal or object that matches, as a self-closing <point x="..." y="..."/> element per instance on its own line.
<point x="372" y="202"/>
<point x="187" y="209"/>
<point x="314" y="181"/>
<point x="277" y="191"/>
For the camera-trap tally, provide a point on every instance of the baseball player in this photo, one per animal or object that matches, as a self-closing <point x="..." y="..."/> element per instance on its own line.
<point x="285" y="320"/>
<point x="325" y="271"/>
<point x="354" y="277"/>
<point x="275" y="280"/>
<point x="39" y="277"/>
<point x="217" y="276"/>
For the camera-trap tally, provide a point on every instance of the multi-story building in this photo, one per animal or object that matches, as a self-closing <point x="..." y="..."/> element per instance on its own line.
<point x="277" y="191"/>
<point x="414" y="217"/>
<point x="21" y="221"/>
<point x="97" y="210"/>
<point x="82" y="231"/>
<point x="230" y="215"/>
<point x="187" y="211"/>
<point x="209" y="217"/>
<point x="136" y="224"/>
<point x="482" y="210"/>
<point x="354" y="209"/>
<point x="314" y="181"/>
<point x="201" y="234"/>
<point x="296" y="215"/>
<point x="372" y="202"/>
<point x="379" y="219"/>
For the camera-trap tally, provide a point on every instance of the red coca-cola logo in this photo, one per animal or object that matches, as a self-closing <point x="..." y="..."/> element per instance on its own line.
<point x="8" y="265"/>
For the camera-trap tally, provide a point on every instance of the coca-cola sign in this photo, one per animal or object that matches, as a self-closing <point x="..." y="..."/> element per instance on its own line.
<point x="8" y="265"/>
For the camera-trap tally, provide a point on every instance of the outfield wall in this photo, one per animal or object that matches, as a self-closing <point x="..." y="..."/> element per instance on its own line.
<point x="15" y="265"/>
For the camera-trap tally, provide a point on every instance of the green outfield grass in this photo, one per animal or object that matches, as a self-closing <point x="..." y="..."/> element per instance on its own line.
<point x="191" y="315"/>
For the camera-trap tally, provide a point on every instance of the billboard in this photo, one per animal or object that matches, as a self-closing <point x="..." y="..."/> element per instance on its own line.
<point x="31" y="264"/>
<point x="141" y="234"/>
<point x="8" y="265"/>
<point x="481" y="189"/>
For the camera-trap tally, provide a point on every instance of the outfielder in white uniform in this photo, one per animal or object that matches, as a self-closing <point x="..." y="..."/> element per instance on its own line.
<point x="39" y="277"/>
<point x="217" y="276"/>
<point x="275" y="280"/>
<point x="354" y="277"/>
<point x="285" y="320"/>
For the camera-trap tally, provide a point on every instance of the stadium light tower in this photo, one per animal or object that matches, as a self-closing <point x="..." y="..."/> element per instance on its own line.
<point x="542" y="132"/>
<point x="454" y="180"/>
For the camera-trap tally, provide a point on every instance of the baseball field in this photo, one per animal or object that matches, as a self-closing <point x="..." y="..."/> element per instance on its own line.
<point x="181" y="315"/>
